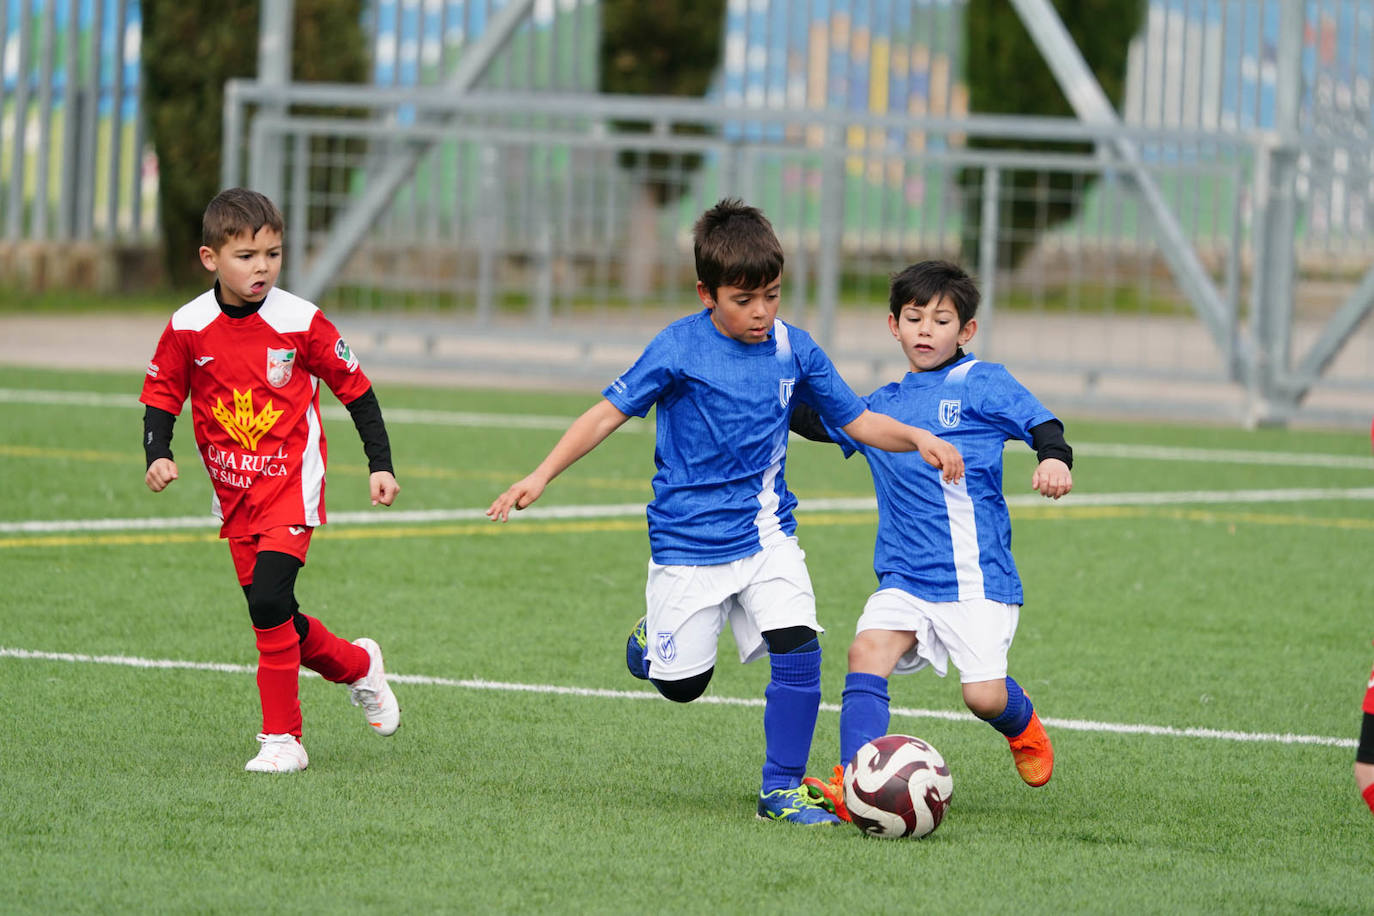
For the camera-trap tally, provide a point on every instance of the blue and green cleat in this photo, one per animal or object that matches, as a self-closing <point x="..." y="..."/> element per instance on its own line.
<point x="795" y="805"/>
<point x="635" y="658"/>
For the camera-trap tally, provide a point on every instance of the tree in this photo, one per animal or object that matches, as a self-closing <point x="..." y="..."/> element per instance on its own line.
<point x="657" y="47"/>
<point x="189" y="50"/>
<point x="1008" y="75"/>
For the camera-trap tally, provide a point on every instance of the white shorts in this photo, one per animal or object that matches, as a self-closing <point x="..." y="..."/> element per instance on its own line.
<point x="687" y="607"/>
<point x="974" y="634"/>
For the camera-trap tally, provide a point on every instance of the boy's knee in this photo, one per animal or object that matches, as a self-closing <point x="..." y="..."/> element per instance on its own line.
<point x="986" y="699"/>
<point x="269" y="607"/>
<point x="878" y="651"/>
<point x="685" y="690"/>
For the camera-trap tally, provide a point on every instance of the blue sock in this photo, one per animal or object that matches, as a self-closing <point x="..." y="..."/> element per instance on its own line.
<point x="791" y="701"/>
<point x="1013" y="720"/>
<point x="864" y="713"/>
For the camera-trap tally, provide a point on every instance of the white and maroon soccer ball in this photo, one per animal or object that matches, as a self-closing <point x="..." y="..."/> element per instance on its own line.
<point x="897" y="786"/>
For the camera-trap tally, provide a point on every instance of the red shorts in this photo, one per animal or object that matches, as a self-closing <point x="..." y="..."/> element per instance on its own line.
<point x="291" y="539"/>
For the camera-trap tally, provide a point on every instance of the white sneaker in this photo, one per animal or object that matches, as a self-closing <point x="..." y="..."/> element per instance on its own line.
<point x="279" y="754"/>
<point x="371" y="692"/>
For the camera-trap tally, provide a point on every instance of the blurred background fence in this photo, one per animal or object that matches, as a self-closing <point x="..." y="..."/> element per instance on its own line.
<point x="1203" y="250"/>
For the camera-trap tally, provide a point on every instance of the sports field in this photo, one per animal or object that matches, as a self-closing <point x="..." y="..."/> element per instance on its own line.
<point x="1196" y="638"/>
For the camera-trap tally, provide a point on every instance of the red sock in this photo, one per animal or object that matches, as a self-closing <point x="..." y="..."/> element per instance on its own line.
<point x="1368" y="794"/>
<point x="279" y="665"/>
<point x="336" y="659"/>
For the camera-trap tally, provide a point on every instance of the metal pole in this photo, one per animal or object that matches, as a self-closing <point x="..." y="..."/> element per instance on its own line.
<point x="987" y="252"/>
<point x="1281" y="214"/>
<point x="274" y="70"/>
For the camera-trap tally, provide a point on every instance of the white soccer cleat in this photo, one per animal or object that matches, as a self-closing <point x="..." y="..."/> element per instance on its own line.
<point x="278" y="754"/>
<point x="373" y="694"/>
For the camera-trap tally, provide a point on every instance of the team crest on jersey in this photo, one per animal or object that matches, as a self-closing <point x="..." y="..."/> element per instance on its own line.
<point x="279" y="363"/>
<point x="245" y="426"/>
<point x="345" y="355"/>
<point x="949" y="414"/>
<point x="785" y="386"/>
<point x="667" y="649"/>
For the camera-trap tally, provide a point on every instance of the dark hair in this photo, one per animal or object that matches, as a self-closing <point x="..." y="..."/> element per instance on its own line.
<point x="234" y="211"/>
<point x="927" y="281"/>
<point x="735" y="245"/>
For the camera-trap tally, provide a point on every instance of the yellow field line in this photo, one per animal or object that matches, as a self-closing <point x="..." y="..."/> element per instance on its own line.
<point x="602" y="526"/>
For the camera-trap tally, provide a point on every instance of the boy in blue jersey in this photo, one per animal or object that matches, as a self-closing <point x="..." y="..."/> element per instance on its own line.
<point x="721" y="530"/>
<point x="948" y="589"/>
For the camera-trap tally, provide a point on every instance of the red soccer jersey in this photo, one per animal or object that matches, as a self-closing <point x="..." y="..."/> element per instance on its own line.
<point x="254" y="385"/>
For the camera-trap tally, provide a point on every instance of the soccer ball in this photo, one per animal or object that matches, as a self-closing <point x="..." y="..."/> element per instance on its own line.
<point x="897" y="786"/>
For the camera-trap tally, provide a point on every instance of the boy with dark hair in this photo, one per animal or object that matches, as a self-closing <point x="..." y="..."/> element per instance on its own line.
<point x="948" y="589"/>
<point x="721" y="531"/>
<point x="251" y="358"/>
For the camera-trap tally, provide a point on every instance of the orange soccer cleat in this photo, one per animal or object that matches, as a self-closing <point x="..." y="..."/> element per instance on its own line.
<point x="1033" y="753"/>
<point x="829" y="794"/>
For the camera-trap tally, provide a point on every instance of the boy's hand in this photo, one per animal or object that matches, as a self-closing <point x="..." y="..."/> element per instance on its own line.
<point x="383" y="487"/>
<point x="1052" y="478"/>
<point x="520" y="495"/>
<point x="160" y="473"/>
<point x="940" y="454"/>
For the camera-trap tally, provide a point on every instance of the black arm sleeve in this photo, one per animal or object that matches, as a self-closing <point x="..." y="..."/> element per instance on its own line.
<point x="1048" y="441"/>
<point x="367" y="417"/>
<point x="157" y="434"/>
<point x="806" y="422"/>
<point x="1364" y="753"/>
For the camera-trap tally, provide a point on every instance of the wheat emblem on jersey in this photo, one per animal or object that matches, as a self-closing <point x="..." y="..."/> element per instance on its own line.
<point x="279" y="363"/>
<point x="243" y="425"/>
<point x="949" y="414"/>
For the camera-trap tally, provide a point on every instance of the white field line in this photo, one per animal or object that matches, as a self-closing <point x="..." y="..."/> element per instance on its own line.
<point x="636" y="510"/>
<point x="533" y="421"/>
<point x="1166" y="731"/>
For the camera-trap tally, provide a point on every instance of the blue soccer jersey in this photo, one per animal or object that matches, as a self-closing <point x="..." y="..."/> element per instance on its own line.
<point x="722" y="427"/>
<point x="940" y="541"/>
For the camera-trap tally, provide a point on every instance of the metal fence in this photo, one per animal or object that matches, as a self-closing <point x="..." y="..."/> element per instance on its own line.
<point x="533" y="231"/>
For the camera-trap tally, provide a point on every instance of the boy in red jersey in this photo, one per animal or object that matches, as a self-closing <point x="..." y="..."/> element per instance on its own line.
<point x="251" y="358"/>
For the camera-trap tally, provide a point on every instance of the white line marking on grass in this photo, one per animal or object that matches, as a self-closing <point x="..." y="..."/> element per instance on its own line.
<point x="1227" y="455"/>
<point x="332" y="412"/>
<point x="1168" y="731"/>
<point x="534" y="421"/>
<point x="636" y="510"/>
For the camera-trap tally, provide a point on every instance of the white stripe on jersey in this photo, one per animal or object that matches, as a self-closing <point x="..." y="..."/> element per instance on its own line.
<point x="312" y="463"/>
<point x="782" y="340"/>
<point x="958" y="372"/>
<point x="963" y="535"/>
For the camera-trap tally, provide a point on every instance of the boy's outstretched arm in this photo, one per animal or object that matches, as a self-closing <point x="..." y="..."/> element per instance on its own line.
<point x="585" y="434"/>
<point x="881" y="431"/>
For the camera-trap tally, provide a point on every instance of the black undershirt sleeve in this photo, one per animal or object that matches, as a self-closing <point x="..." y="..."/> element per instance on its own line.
<point x="1048" y="441"/>
<point x="1365" y="752"/>
<point x="157" y="434"/>
<point x="806" y="422"/>
<point x="367" y="417"/>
